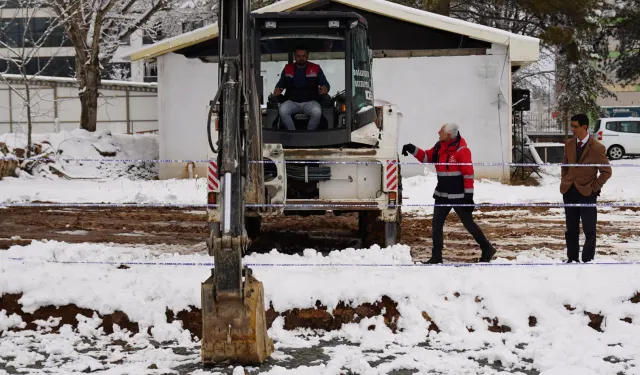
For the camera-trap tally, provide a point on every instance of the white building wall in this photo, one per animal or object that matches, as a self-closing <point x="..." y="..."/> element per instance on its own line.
<point x="185" y="87"/>
<point x="468" y="90"/>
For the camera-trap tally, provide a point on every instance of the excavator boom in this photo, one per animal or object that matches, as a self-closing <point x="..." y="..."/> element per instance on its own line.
<point x="233" y="311"/>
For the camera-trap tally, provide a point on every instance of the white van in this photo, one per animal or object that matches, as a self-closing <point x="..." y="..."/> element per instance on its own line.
<point x="620" y="136"/>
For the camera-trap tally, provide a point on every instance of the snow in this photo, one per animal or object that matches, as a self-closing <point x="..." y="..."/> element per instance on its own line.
<point x="132" y="154"/>
<point x="548" y="144"/>
<point x="73" y="80"/>
<point x="456" y="298"/>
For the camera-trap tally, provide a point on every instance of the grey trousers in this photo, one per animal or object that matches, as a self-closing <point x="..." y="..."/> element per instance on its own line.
<point x="290" y="108"/>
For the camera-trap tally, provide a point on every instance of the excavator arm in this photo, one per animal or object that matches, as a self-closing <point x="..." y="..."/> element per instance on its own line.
<point x="233" y="311"/>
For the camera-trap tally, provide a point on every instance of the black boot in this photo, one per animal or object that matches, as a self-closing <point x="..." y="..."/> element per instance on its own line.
<point x="434" y="260"/>
<point x="487" y="255"/>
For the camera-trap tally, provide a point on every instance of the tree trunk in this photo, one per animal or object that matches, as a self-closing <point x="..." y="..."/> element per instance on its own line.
<point x="28" y="104"/>
<point x="29" y="121"/>
<point x="88" y="82"/>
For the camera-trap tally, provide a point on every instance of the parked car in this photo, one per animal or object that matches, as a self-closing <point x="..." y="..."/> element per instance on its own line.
<point x="620" y="136"/>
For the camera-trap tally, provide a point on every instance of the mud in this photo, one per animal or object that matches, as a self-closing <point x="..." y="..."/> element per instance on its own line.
<point x="290" y="234"/>
<point x="149" y="226"/>
<point x="318" y="318"/>
<point x="595" y="320"/>
<point x="312" y="318"/>
<point x="8" y="167"/>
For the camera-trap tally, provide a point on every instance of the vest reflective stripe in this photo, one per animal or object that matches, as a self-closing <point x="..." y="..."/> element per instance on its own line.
<point x="468" y="191"/>
<point x="311" y="71"/>
<point x="469" y="176"/>
<point x="447" y="195"/>
<point x="446" y="174"/>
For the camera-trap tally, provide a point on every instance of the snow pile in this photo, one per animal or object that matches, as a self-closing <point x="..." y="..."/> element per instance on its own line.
<point x="93" y="148"/>
<point x="122" y="190"/>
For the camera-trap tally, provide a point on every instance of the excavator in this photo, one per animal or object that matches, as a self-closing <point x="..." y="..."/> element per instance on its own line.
<point x="258" y="168"/>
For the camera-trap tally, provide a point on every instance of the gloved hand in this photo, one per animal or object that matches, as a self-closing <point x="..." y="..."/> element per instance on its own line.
<point x="408" y="149"/>
<point x="468" y="199"/>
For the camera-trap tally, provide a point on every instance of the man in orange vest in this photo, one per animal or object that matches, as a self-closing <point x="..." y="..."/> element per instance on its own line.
<point x="303" y="82"/>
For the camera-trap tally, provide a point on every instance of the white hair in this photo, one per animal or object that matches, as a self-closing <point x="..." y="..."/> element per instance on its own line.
<point x="451" y="128"/>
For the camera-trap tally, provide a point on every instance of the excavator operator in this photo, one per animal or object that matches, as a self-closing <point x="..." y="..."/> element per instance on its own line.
<point x="304" y="83"/>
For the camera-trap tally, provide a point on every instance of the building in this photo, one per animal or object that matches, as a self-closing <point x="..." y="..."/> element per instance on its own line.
<point x="56" y="56"/>
<point x="627" y="102"/>
<point x="437" y="69"/>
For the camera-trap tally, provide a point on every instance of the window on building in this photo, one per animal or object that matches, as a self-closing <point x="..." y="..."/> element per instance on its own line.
<point x="117" y="71"/>
<point x="124" y="41"/>
<point x="12" y="4"/>
<point x="38" y="33"/>
<point x="152" y="35"/>
<point x="58" y="38"/>
<point x="58" y="66"/>
<point x="191" y="25"/>
<point x="150" y="72"/>
<point x="13" y="31"/>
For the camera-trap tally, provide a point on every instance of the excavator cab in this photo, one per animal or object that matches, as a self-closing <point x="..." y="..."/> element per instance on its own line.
<point x="338" y="43"/>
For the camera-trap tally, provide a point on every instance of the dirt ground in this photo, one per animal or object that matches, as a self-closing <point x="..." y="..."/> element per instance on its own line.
<point x="510" y="230"/>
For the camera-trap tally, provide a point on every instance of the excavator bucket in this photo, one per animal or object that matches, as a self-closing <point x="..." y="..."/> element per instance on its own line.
<point x="234" y="329"/>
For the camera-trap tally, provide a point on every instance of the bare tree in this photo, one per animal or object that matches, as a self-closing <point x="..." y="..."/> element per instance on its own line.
<point x="95" y="29"/>
<point x="22" y="37"/>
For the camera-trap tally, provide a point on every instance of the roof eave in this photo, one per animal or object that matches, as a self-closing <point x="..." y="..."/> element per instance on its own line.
<point x="522" y="49"/>
<point x="175" y="43"/>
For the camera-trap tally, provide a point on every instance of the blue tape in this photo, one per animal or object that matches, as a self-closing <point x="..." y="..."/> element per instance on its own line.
<point x="324" y="206"/>
<point x="326" y="162"/>
<point x="368" y="265"/>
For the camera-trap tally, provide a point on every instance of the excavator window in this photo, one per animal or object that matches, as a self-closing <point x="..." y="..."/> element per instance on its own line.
<point x="325" y="50"/>
<point x="339" y="44"/>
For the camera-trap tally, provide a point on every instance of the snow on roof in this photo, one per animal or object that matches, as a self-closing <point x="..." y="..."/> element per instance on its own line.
<point x="106" y="82"/>
<point x="522" y="49"/>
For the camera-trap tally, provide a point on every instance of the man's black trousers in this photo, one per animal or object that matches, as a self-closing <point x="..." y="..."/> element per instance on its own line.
<point x="466" y="217"/>
<point x="572" y="218"/>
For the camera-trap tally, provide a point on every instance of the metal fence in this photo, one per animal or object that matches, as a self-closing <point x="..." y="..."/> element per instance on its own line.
<point x="541" y="124"/>
<point x="123" y="107"/>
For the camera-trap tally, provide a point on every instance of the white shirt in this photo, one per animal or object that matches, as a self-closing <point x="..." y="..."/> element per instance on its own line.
<point x="584" y="141"/>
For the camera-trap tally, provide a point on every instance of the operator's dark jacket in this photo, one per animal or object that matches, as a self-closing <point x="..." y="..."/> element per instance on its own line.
<point x="301" y="83"/>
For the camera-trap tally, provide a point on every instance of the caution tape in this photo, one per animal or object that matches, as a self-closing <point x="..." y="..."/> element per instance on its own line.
<point x="319" y="206"/>
<point x="497" y="164"/>
<point x="323" y="265"/>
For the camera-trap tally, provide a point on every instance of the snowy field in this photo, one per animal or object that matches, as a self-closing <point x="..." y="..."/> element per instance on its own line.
<point x="525" y="313"/>
<point x="456" y="299"/>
